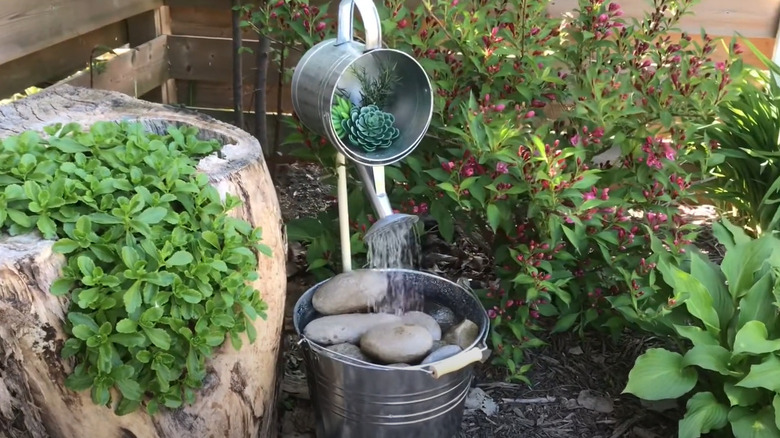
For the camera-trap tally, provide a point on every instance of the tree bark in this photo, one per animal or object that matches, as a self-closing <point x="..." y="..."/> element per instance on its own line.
<point x="238" y="398"/>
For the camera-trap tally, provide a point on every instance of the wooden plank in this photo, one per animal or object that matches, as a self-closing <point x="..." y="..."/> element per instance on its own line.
<point x="218" y="95"/>
<point x="49" y="65"/>
<point x="209" y="4"/>
<point x="206" y="22"/>
<point x="134" y="72"/>
<point x="209" y="59"/>
<point x="751" y="19"/>
<point x="146" y="27"/>
<point x="27" y="26"/>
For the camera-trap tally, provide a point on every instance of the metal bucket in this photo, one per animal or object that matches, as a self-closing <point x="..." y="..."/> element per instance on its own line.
<point x="357" y="399"/>
<point x="327" y="66"/>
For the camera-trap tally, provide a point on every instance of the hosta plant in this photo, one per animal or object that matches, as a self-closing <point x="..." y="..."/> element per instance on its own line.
<point x="158" y="274"/>
<point x="728" y="363"/>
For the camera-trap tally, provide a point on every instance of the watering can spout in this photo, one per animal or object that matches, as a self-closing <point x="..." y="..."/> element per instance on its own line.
<point x="373" y="178"/>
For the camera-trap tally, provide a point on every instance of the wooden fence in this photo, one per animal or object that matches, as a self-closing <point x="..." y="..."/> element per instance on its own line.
<point x="179" y="51"/>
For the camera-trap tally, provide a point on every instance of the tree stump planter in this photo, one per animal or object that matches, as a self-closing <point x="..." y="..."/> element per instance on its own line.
<point x="238" y="396"/>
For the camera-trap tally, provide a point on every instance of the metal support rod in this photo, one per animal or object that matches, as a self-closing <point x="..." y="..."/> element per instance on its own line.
<point x="343" y="195"/>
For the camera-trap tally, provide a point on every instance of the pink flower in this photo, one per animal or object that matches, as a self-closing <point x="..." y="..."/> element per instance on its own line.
<point x="575" y="140"/>
<point x="530" y="114"/>
<point x="500" y="107"/>
<point x="491" y="313"/>
<point x="320" y="26"/>
<point x="448" y="166"/>
<point x="502" y="167"/>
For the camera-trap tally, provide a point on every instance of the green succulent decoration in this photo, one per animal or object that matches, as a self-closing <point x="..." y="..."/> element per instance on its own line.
<point x="338" y="113"/>
<point x="370" y="128"/>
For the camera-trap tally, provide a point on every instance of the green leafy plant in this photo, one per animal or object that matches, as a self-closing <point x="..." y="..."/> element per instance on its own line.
<point x="747" y="137"/>
<point x="370" y="128"/>
<point x="727" y="316"/>
<point x="158" y="274"/>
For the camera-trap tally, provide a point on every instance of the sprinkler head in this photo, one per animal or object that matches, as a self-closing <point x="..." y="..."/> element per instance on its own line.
<point x="390" y="222"/>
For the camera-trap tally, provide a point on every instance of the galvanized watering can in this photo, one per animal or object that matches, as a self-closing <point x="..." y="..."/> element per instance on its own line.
<point x="329" y="66"/>
<point x="356" y="399"/>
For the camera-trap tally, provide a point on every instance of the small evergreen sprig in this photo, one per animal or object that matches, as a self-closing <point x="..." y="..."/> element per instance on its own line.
<point x="377" y="90"/>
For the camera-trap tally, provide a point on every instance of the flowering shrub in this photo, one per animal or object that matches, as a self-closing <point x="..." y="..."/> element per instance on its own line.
<point x="565" y="144"/>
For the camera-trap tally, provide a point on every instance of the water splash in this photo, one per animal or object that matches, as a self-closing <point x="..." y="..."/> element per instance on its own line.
<point x="396" y="245"/>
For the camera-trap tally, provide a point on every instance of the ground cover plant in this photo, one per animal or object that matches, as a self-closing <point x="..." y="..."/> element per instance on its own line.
<point x="564" y="145"/>
<point x="158" y="274"/>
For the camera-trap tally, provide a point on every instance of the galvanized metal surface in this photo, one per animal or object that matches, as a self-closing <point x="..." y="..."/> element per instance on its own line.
<point x="327" y="66"/>
<point x="356" y="399"/>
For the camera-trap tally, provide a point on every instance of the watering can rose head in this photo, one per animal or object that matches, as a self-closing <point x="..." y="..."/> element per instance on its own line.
<point x="370" y="128"/>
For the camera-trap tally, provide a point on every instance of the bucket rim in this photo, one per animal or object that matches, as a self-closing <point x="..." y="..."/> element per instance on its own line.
<point x="480" y="343"/>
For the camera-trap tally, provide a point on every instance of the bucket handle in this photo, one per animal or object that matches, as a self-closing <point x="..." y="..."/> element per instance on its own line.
<point x="371" y="23"/>
<point x="459" y="361"/>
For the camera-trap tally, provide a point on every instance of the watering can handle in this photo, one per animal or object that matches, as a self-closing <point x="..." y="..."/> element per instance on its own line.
<point x="371" y="22"/>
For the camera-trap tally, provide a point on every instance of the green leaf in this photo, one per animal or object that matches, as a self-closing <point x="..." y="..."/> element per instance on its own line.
<point x="86" y="265"/>
<point x="65" y="246"/>
<point x="748" y="424"/>
<point x="710" y="276"/>
<point x="697" y="299"/>
<point x="696" y="335"/>
<point x="494" y="216"/>
<point x="126" y="326"/>
<point x="158" y="337"/>
<point x="130" y="389"/>
<point x="742" y="261"/>
<point x="709" y="357"/>
<point x="444" y="219"/>
<point x="152" y="215"/>
<point x="659" y="365"/>
<point x="179" y="258"/>
<point x="82" y="332"/>
<point x="77" y="318"/>
<point x="61" y="286"/>
<point x="132" y="297"/>
<point x="127" y="406"/>
<point x="752" y="339"/>
<point x="764" y="375"/>
<point x="133" y="339"/>
<point x="758" y="303"/>
<point x="739" y="396"/>
<point x="703" y="415"/>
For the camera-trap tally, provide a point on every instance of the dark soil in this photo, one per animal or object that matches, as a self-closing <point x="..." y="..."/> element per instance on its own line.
<point x="576" y="382"/>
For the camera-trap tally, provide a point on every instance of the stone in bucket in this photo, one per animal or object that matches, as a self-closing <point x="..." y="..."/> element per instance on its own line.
<point x="348" y="292"/>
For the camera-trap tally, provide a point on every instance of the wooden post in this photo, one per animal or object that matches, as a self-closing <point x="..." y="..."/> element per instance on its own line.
<point x="148" y="26"/>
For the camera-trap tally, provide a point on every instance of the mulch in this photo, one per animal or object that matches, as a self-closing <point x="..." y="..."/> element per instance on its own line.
<point x="576" y="381"/>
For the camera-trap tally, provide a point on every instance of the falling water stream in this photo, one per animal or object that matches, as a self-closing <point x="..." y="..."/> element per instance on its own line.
<point x="396" y="245"/>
